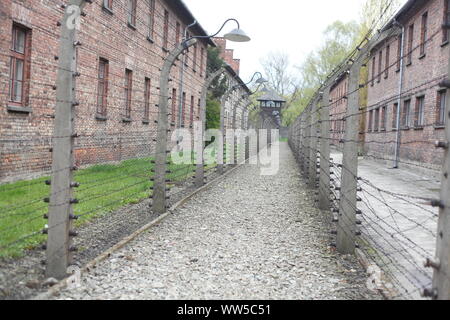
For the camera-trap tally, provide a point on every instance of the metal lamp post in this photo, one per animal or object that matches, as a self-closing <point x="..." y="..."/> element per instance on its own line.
<point x="159" y="186"/>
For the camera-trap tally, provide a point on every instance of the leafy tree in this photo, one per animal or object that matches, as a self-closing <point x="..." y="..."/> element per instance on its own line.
<point x="276" y="67"/>
<point x="339" y="40"/>
<point x="214" y="63"/>
<point x="212" y="113"/>
<point x="217" y="89"/>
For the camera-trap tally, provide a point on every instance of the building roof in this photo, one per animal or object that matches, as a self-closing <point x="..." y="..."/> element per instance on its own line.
<point x="271" y="95"/>
<point x="403" y="11"/>
<point x="181" y="8"/>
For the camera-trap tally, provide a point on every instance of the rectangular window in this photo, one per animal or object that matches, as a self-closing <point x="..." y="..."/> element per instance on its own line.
<point x="386" y="70"/>
<point x="19" y="66"/>
<point x="183" y="110"/>
<point x="174" y="104"/>
<point x="446" y="22"/>
<point x="199" y="107"/>
<point x="127" y="92"/>
<point x="399" y="52"/>
<point x="192" y="110"/>
<point x="373" y="70"/>
<point x="380" y="65"/>
<point x="166" y="30"/>
<point x="441" y="105"/>
<point x="186" y="52"/>
<point x="406" y="114"/>
<point x="410" y="44"/>
<point x="419" y="112"/>
<point x="370" y="127"/>
<point x="151" y="20"/>
<point x="103" y="72"/>
<point x="147" y="90"/>
<point x="194" y="59"/>
<point x="383" y="118"/>
<point x="132" y="13"/>
<point x="178" y="34"/>
<point x="202" y="61"/>
<point x="394" y="116"/>
<point x="108" y="4"/>
<point x="376" y="126"/>
<point x="423" y="33"/>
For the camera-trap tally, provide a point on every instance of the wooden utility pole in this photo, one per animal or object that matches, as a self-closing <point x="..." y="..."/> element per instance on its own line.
<point x="60" y="215"/>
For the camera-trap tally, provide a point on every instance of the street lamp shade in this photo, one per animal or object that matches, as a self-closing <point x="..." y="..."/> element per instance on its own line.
<point x="237" y="35"/>
<point x="261" y="81"/>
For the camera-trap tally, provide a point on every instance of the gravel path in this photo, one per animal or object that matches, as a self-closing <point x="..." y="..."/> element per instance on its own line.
<point x="248" y="237"/>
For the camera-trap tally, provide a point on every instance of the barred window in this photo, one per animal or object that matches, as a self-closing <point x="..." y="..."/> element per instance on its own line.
<point x="127" y="92"/>
<point x="380" y="65"/>
<point x="192" y="110"/>
<point x="103" y="74"/>
<point x="147" y="91"/>
<point x="410" y="44"/>
<point x="394" y="116"/>
<point x="419" y="112"/>
<point x="19" y="66"/>
<point x="406" y="116"/>
<point x="424" y="33"/>
<point x="132" y="12"/>
<point x="108" y="4"/>
<point x="383" y="118"/>
<point x="377" y="120"/>
<point x="183" y="110"/>
<point x="202" y="61"/>
<point x="151" y="20"/>
<point x="441" y="105"/>
<point x="174" y="104"/>
<point x="399" y="52"/>
<point x="446" y="22"/>
<point x="194" y="59"/>
<point x="373" y="70"/>
<point x="166" y="30"/>
<point x="386" y="70"/>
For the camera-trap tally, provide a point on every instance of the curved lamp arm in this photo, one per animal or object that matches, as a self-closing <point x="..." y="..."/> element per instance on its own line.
<point x="253" y="77"/>
<point x="212" y="36"/>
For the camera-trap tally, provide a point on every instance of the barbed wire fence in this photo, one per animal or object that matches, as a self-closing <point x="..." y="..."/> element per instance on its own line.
<point x="397" y="231"/>
<point x="96" y="171"/>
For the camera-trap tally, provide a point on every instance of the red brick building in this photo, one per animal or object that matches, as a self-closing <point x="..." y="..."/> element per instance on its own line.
<point x="338" y="109"/>
<point x="406" y="67"/>
<point x="123" y="45"/>
<point x="228" y="54"/>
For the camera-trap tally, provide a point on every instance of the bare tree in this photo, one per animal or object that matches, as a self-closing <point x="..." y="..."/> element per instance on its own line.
<point x="277" y="69"/>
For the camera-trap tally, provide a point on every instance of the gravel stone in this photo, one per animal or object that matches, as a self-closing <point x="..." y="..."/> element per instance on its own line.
<point x="247" y="237"/>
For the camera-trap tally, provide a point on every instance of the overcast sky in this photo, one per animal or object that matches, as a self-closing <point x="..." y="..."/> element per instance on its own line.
<point x="291" y="26"/>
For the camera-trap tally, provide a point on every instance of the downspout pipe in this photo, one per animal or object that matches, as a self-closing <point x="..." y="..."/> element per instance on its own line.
<point x="399" y="102"/>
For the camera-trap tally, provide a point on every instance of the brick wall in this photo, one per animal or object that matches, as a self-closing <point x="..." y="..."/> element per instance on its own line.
<point x="26" y="137"/>
<point x="420" y="79"/>
<point x="338" y="109"/>
<point x="227" y="54"/>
